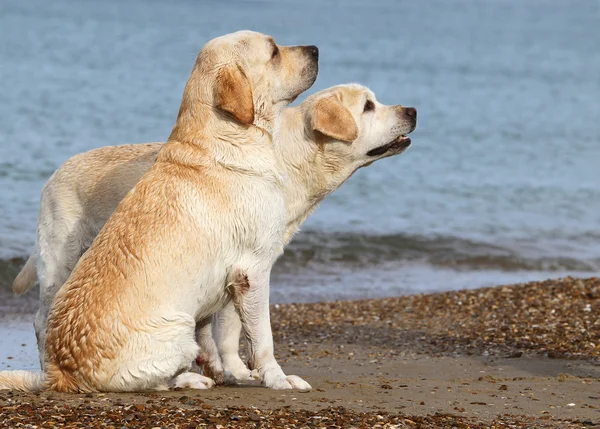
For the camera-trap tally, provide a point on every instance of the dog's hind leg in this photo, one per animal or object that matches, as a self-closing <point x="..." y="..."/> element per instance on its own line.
<point x="158" y="350"/>
<point x="62" y="237"/>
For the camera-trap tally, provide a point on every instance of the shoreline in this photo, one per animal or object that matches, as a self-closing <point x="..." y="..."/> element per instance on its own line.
<point x="522" y="355"/>
<point x="294" y="282"/>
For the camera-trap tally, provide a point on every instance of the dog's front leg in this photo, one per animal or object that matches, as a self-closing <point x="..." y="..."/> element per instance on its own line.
<point x="250" y="291"/>
<point x="208" y="359"/>
<point x="227" y="329"/>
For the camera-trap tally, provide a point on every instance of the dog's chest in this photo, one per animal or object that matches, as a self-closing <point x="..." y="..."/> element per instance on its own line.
<point x="250" y="233"/>
<point x="259" y="218"/>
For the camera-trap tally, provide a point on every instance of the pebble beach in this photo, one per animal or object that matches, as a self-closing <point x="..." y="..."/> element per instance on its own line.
<point x="514" y="356"/>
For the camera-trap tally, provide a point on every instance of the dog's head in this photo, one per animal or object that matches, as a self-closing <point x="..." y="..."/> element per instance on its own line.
<point x="351" y="125"/>
<point x="247" y="77"/>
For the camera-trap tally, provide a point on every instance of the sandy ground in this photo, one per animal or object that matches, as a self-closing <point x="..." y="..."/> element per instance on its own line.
<point x="511" y="356"/>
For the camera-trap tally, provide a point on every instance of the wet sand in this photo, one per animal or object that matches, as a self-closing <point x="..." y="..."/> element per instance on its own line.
<point x="510" y="356"/>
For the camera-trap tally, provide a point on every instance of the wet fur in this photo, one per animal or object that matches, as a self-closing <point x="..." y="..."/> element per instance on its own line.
<point x="210" y="205"/>
<point x="310" y="153"/>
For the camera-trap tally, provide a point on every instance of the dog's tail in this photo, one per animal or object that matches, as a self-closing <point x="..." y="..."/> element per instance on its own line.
<point x="25" y="381"/>
<point x="26" y="277"/>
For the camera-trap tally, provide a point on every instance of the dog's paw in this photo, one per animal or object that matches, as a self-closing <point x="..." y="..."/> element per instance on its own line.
<point x="212" y="370"/>
<point x="237" y="372"/>
<point x="298" y="383"/>
<point x="280" y="381"/>
<point x="191" y="380"/>
<point x="218" y="377"/>
<point x="230" y="379"/>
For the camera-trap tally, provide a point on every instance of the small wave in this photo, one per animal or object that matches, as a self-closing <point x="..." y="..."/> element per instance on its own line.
<point x="439" y="251"/>
<point x="336" y="251"/>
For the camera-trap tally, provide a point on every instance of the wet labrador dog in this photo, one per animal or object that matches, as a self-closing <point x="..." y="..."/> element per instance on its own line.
<point x="202" y="227"/>
<point x="320" y="144"/>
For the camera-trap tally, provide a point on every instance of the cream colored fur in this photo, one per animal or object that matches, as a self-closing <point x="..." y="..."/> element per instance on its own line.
<point x="201" y="228"/>
<point x="81" y="195"/>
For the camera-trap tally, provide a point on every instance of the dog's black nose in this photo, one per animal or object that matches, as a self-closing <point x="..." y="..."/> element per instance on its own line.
<point x="314" y="51"/>
<point x="410" y="112"/>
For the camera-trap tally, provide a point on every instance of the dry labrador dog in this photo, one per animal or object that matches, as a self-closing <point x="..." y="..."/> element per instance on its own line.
<point x="203" y="226"/>
<point x="320" y="144"/>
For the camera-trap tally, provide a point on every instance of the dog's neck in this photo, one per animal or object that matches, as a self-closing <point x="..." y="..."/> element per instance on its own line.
<point x="310" y="174"/>
<point x="204" y="125"/>
<point x="203" y="134"/>
<point x="267" y="115"/>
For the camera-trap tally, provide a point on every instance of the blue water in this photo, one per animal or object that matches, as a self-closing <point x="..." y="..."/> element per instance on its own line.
<point x="502" y="183"/>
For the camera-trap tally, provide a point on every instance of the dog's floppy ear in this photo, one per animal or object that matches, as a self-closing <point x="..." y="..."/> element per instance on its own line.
<point x="331" y="118"/>
<point x="234" y="95"/>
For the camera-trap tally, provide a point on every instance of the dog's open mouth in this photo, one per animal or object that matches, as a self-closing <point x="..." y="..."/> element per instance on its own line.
<point x="401" y="143"/>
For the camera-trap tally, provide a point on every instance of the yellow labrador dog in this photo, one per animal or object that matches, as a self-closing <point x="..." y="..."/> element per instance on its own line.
<point x="203" y="226"/>
<point x="320" y="144"/>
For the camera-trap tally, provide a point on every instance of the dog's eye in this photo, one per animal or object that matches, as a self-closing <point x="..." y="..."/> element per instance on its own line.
<point x="369" y="105"/>
<point x="275" y="52"/>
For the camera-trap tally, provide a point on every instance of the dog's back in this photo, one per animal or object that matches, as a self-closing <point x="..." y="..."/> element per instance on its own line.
<point x="79" y="197"/>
